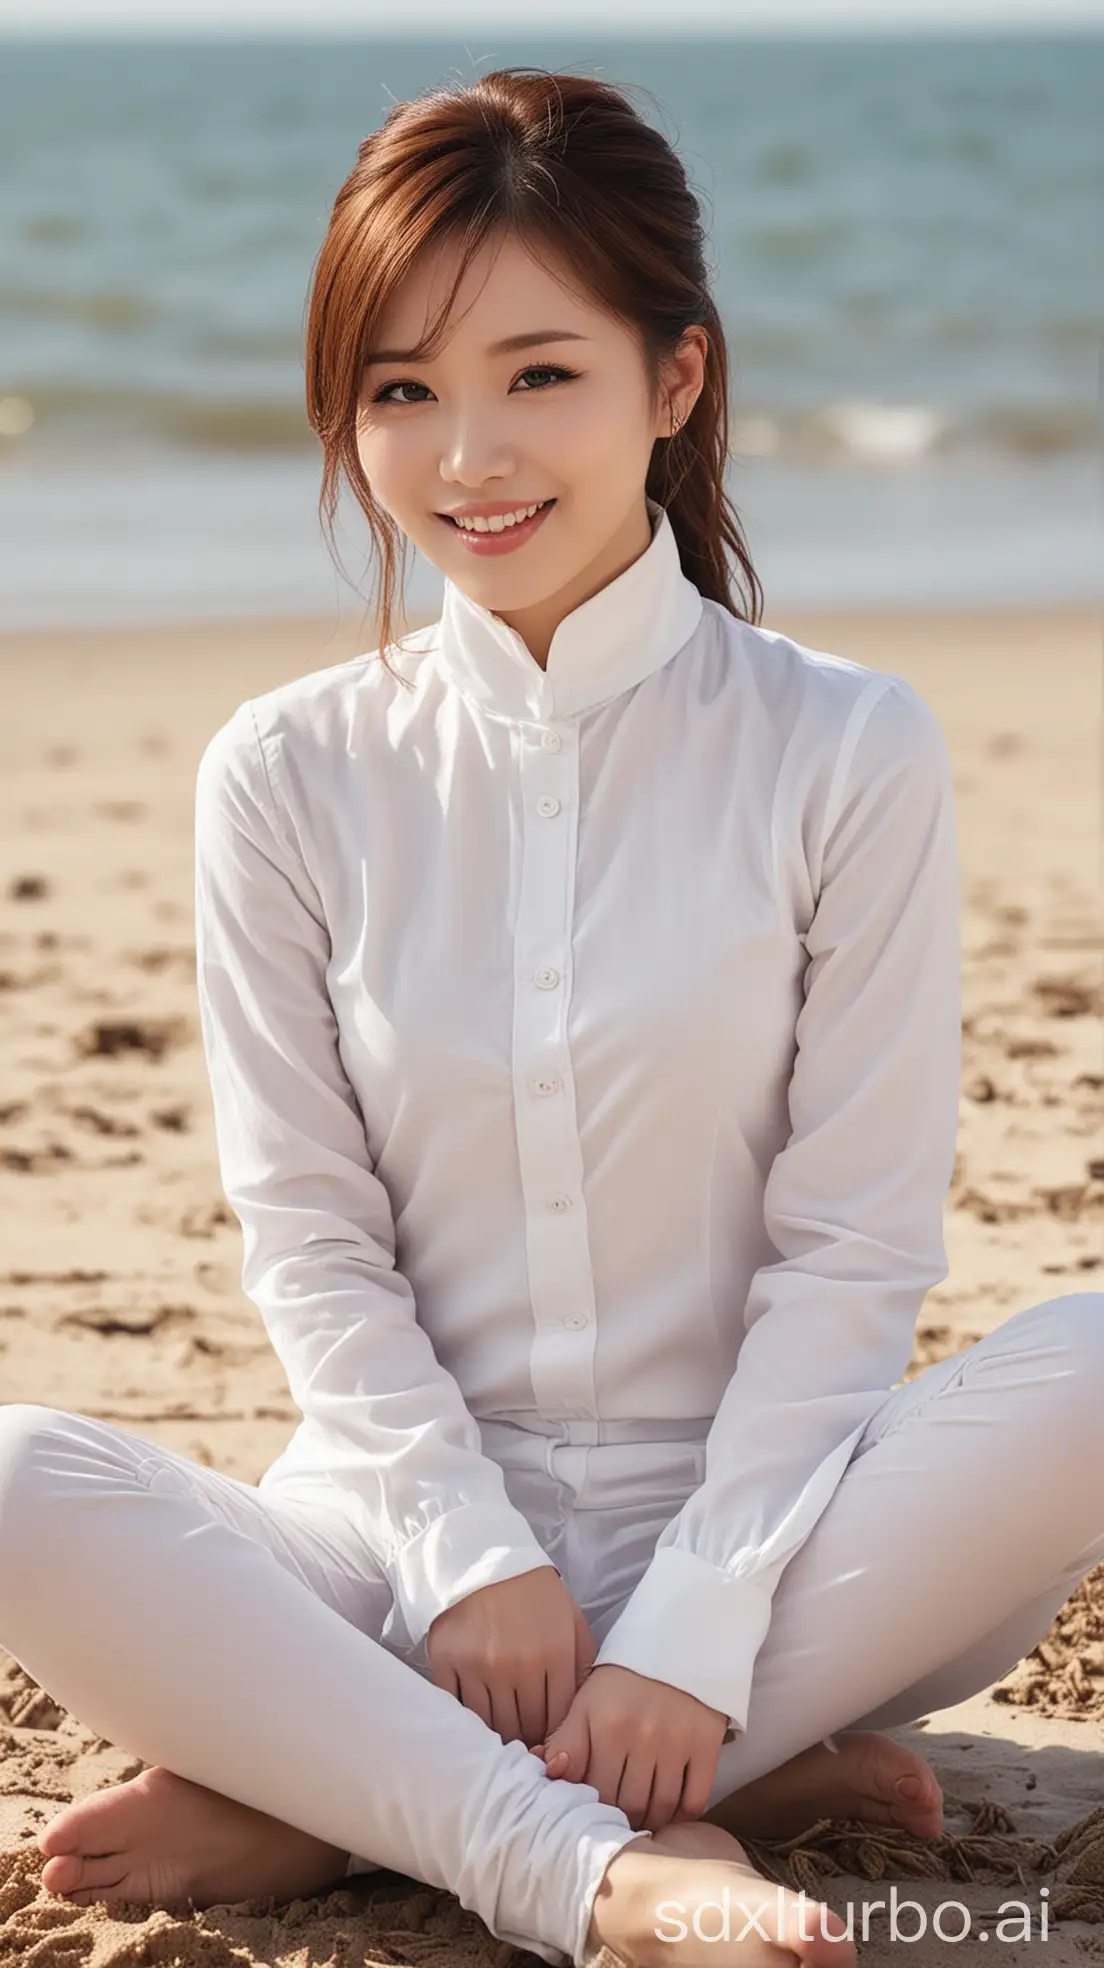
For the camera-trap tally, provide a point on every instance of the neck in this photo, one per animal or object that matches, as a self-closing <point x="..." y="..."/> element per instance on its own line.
<point x="537" y="625"/>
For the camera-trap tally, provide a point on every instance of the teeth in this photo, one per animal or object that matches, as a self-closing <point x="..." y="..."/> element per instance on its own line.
<point x="500" y="521"/>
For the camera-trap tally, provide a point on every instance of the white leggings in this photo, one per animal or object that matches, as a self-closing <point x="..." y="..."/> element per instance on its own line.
<point x="232" y="1633"/>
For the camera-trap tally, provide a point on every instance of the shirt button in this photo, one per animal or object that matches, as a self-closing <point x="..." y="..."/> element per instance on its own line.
<point x="547" y="1083"/>
<point x="576" y="1322"/>
<point x="547" y="978"/>
<point x="560" y="1203"/>
<point x="551" y="741"/>
<point x="547" y="807"/>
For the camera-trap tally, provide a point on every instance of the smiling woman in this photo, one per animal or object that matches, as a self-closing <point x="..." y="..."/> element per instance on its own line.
<point x="495" y="453"/>
<point x="584" y="1031"/>
<point x="538" y="215"/>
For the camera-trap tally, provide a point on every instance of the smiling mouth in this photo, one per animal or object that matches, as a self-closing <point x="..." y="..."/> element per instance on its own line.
<point x="498" y="524"/>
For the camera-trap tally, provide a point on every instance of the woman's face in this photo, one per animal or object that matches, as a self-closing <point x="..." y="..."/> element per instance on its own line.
<point x="563" y="419"/>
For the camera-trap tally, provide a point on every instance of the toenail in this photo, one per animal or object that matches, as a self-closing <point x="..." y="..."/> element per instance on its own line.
<point x="908" y="1787"/>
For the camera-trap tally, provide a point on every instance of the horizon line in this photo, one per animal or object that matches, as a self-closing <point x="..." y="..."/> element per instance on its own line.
<point x="950" y="27"/>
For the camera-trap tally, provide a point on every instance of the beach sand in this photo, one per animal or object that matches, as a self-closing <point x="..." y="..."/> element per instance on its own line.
<point x="119" y="1274"/>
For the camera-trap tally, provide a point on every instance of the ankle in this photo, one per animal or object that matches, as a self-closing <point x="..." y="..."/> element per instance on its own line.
<point x="619" y="1908"/>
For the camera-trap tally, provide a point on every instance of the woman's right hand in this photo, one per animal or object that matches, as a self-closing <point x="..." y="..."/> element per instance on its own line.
<point x="516" y="1652"/>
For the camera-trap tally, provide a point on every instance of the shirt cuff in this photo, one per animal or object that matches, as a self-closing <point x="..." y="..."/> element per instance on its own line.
<point x="475" y="1544"/>
<point x="695" y="1627"/>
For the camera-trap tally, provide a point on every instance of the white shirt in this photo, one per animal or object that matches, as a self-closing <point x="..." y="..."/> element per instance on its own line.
<point x="585" y="1042"/>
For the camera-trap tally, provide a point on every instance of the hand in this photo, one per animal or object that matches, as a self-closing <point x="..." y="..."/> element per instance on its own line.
<point x="647" y="1747"/>
<point x="515" y="1652"/>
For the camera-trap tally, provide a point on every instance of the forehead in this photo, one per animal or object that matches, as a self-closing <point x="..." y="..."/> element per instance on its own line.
<point x="508" y="287"/>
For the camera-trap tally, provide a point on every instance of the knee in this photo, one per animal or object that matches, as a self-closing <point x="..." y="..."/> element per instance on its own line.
<point x="24" y="1427"/>
<point x="26" y="1433"/>
<point x="1084" y="1318"/>
<point x="1069" y="1333"/>
<point x="1077" y="1321"/>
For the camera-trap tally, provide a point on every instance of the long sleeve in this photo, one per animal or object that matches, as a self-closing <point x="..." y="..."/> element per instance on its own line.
<point x="853" y="1205"/>
<point x="317" y="1224"/>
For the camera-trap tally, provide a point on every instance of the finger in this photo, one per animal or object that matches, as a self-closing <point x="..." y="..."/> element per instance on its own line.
<point x="561" y="1694"/>
<point x="549" y="1757"/>
<point x="605" y="1764"/>
<point x="697" y="1783"/>
<point x="571" y="1741"/>
<point x="475" y="1696"/>
<point x="504" y="1709"/>
<point x="446" y="1677"/>
<point x="635" y="1789"/>
<point x="532" y="1705"/>
<point x="667" y="1789"/>
<point x="586" y="1651"/>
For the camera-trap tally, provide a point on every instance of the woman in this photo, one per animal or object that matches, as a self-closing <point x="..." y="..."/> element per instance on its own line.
<point x="580" y="986"/>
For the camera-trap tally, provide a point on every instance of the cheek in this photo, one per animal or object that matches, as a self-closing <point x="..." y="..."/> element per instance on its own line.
<point x="602" y="438"/>
<point x="367" y="450"/>
<point x="372" y="445"/>
<point x="390" y="468"/>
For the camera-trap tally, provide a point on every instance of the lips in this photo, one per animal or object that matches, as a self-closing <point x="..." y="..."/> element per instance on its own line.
<point x="506" y="539"/>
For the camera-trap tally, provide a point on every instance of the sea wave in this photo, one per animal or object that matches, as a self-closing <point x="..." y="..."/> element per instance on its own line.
<point x="867" y="432"/>
<point x="872" y="433"/>
<point x="72" y="413"/>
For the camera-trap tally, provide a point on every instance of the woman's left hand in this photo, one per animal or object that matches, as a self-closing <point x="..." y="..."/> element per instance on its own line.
<point x="647" y="1747"/>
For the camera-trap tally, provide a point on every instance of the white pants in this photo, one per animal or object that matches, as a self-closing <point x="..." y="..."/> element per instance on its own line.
<point x="235" y="1634"/>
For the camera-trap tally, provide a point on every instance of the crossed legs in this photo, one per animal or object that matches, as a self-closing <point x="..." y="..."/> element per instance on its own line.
<point x="234" y="1638"/>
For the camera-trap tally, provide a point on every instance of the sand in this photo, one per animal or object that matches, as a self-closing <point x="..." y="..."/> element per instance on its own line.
<point x="119" y="1291"/>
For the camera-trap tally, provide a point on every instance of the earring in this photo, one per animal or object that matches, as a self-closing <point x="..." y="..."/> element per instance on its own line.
<point x="676" y="425"/>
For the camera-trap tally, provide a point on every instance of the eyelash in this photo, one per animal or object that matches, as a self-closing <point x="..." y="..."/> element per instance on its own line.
<point x="535" y="369"/>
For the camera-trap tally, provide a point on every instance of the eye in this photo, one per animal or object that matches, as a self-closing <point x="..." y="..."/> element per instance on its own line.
<point x="554" y="369"/>
<point x="550" y="369"/>
<point x="383" y="394"/>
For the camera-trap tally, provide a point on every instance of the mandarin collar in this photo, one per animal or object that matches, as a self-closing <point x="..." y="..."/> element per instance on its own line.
<point x="610" y="642"/>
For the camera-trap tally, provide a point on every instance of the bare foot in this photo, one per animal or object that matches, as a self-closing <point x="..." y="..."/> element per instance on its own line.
<point x="653" y="1886"/>
<point x="160" y="1839"/>
<point x="860" y="1782"/>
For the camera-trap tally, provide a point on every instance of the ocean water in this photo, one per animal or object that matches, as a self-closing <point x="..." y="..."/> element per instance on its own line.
<point x="906" y="251"/>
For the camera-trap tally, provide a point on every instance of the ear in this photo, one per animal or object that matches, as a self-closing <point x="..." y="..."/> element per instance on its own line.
<point x="683" y="378"/>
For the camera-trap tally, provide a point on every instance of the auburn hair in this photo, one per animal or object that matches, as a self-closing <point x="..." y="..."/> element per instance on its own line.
<point x="560" y="161"/>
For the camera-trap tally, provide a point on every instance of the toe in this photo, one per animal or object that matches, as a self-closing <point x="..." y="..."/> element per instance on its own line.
<point x="62" y="1874"/>
<point x="917" y="1803"/>
<point x="59" y="1837"/>
<point x="74" y="1876"/>
<point x="898" y="1773"/>
<point x="94" y="1825"/>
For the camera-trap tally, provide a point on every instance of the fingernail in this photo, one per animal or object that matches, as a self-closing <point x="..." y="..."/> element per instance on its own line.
<point x="909" y="1787"/>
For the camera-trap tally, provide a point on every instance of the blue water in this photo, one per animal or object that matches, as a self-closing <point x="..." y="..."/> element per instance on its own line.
<point x="906" y="251"/>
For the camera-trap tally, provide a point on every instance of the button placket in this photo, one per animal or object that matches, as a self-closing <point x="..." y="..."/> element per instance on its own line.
<point x="550" y="1157"/>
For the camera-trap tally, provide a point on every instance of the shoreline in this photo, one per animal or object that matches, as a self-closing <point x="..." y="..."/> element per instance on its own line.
<point x="320" y="623"/>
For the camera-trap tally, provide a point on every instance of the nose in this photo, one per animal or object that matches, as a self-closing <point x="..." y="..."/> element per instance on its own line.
<point x="474" y="451"/>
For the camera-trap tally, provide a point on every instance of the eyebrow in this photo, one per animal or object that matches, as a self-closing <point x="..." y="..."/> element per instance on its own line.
<point x="532" y="339"/>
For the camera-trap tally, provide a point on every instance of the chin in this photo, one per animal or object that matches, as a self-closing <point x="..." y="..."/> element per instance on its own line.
<point x="525" y="575"/>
